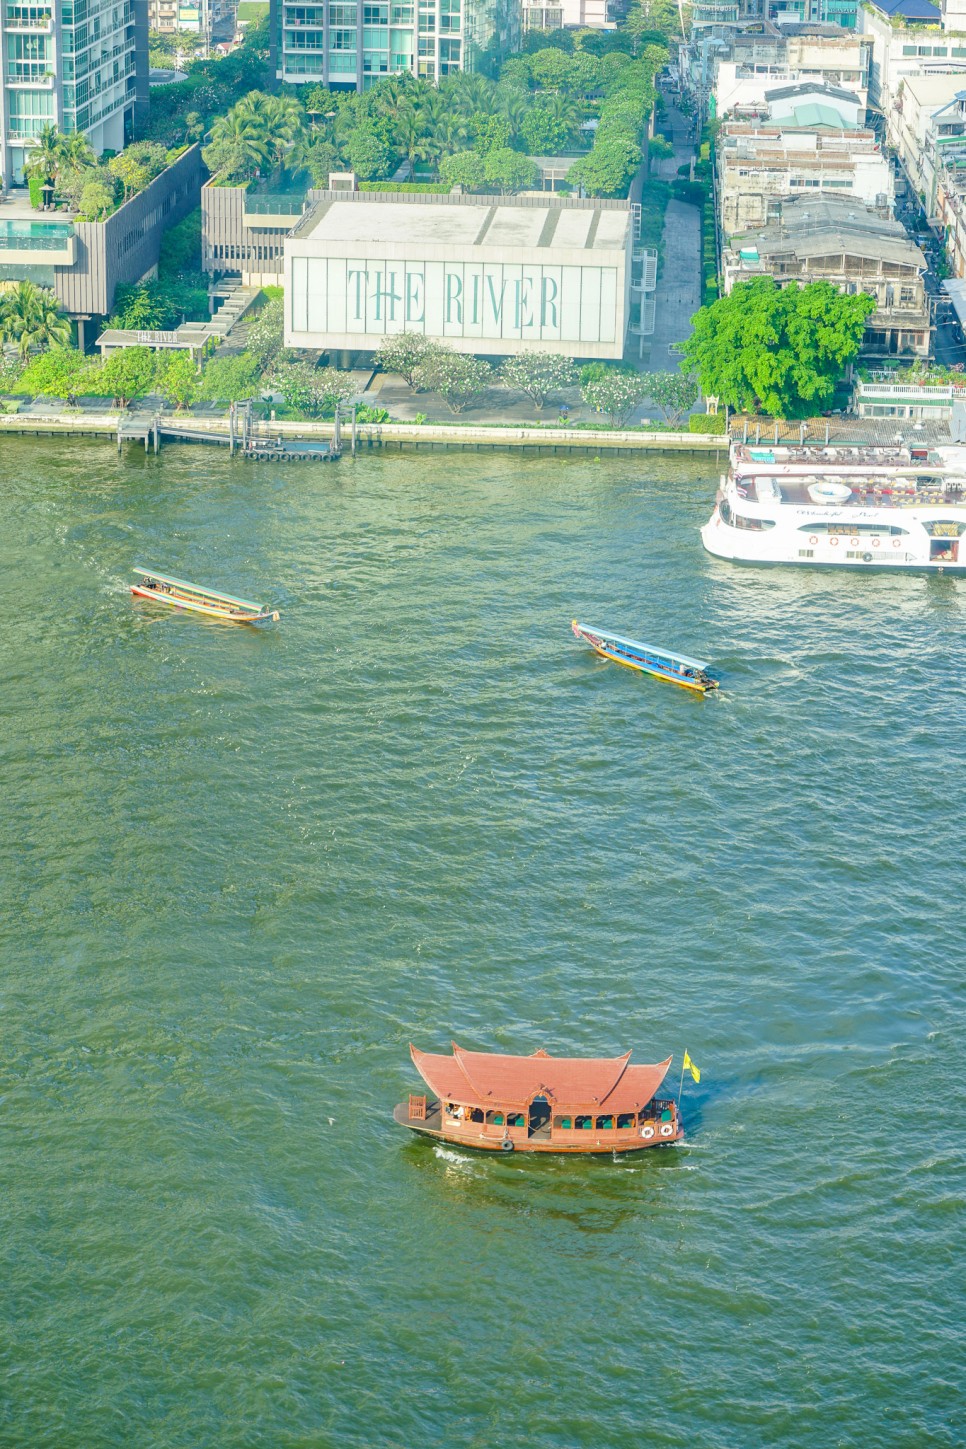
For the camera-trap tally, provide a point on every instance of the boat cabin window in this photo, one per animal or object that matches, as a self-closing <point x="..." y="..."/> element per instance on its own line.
<point x="604" y="1122"/>
<point x="476" y="1115"/>
<point x="724" y="511"/>
<point x="584" y="1124"/>
<point x="516" y="1119"/>
<point x="626" y="1119"/>
<point x="496" y="1118"/>
<point x="565" y="1122"/>
<point x="753" y="525"/>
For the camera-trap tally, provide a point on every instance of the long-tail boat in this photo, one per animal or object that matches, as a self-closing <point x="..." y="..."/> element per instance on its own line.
<point x="179" y="594"/>
<point x="675" y="668"/>
<point x="540" y="1103"/>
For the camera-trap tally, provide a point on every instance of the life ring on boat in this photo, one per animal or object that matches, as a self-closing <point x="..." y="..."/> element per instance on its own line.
<point x="813" y="538"/>
<point x="866" y="558"/>
<point x="647" y="1133"/>
<point x="667" y="1129"/>
<point x="506" y="1145"/>
<point x="897" y="543"/>
<point x="833" y="541"/>
<point x="854" y="542"/>
<point x="876" y="542"/>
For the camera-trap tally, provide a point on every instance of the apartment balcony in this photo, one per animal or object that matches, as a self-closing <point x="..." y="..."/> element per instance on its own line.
<point x="20" y="78"/>
<point x="16" y="21"/>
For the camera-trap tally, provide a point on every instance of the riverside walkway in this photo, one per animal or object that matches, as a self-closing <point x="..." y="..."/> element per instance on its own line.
<point x="432" y="436"/>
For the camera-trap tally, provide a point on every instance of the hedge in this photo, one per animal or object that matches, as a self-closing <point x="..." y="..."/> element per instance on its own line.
<point x="707" y="423"/>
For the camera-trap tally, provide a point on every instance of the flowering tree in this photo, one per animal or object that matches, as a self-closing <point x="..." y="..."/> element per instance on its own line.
<point x="457" y="378"/>
<point x="674" y="392"/>
<point x="617" y="392"/>
<point x="538" y="374"/>
<point x="312" y="390"/>
<point x="408" y="354"/>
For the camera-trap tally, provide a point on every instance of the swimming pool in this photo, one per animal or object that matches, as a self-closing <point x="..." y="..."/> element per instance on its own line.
<point x="16" y="235"/>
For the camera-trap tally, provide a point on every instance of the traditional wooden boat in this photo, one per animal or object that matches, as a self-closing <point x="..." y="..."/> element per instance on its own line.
<point x="675" y="668"/>
<point x="541" y="1103"/>
<point x="179" y="594"/>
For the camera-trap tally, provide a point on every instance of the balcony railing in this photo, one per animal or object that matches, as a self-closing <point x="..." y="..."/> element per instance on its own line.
<point x="17" y="21"/>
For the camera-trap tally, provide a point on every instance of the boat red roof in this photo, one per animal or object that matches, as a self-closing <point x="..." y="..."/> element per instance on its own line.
<point x="488" y="1079"/>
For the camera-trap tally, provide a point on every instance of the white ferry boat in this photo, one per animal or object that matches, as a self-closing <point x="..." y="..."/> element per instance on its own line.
<point x="848" y="507"/>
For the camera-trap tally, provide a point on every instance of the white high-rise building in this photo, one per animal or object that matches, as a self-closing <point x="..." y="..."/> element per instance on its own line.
<point x="352" y="43"/>
<point x="80" y="65"/>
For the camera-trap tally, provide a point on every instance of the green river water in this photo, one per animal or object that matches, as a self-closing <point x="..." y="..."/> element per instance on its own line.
<point x="240" y="871"/>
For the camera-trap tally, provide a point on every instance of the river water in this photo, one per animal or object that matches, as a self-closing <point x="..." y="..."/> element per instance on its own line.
<point x="240" y="871"/>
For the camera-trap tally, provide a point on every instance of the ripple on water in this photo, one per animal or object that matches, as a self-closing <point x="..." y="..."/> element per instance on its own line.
<point x="241" y="871"/>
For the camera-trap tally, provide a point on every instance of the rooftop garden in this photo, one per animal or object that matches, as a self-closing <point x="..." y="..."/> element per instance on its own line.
<point x="63" y="165"/>
<point x="471" y="131"/>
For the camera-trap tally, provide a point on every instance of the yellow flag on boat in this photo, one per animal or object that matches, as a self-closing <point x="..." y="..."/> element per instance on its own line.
<point x="690" y="1067"/>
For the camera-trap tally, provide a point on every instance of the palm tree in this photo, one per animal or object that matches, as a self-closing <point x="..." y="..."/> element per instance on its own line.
<point x="75" y="153"/>
<point x="31" y="317"/>
<point x="46" y="155"/>
<point x="239" y="146"/>
<point x="283" y="118"/>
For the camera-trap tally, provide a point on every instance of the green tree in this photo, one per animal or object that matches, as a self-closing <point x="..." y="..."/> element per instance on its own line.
<point x="139" y="307"/>
<point x="493" y="133"/>
<point x="538" y="374"/>
<point x="53" y="374"/>
<point x="549" y="68"/>
<point x="127" y="374"/>
<point x="30" y="316"/>
<point x="408" y="354"/>
<point x="509" y="170"/>
<point x="658" y="149"/>
<point x="618" y="392"/>
<point x="368" y="154"/>
<point x="456" y="377"/>
<point x="607" y="169"/>
<point x="549" y="127"/>
<point x="230" y="379"/>
<point x="780" y="350"/>
<point x="463" y="168"/>
<point x="649" y="18"/>
<point x="674" y="392"/>
<point x="176" y="379"/>
<point x="96" y="201"/>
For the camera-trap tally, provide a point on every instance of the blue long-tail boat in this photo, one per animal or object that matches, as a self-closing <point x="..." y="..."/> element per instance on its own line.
<point x="661" y="663"/>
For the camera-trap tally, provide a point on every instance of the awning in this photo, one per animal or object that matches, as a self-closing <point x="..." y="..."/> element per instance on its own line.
<point x="955" y="289"/>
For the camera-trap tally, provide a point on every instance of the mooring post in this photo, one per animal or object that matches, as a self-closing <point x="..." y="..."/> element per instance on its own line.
<point x="337" y="431"/>
<point x="119" y="435"/>
<point x="354" y="431"/>
<point x="231" y="430"/>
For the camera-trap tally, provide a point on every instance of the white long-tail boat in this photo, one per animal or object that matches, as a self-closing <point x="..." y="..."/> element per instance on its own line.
<point x="179" y="594"/>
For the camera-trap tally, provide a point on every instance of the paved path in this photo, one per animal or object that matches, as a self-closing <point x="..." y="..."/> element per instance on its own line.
<point x="678" y="294"/>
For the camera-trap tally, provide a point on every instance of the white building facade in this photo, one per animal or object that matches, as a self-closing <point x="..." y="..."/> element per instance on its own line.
<point x="490" y="278"/>
<point x="80" y="65"/>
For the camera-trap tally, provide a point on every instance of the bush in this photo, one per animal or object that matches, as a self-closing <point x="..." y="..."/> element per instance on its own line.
<point x="35" y="191"/>
<point x="707" y="423"/>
